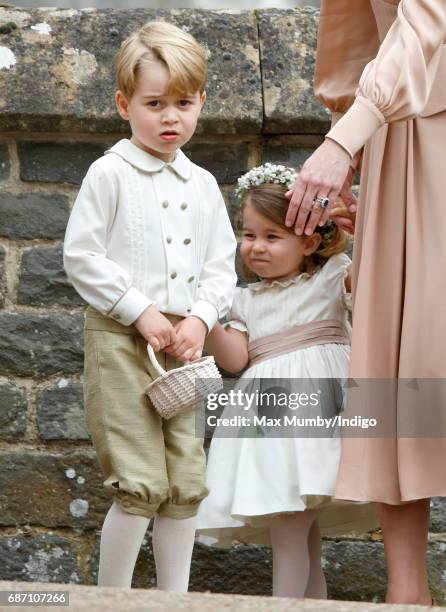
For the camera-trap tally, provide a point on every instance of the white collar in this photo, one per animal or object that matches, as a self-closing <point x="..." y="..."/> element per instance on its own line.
<point x="267" y="284"/>
<point x="149" y="163"/>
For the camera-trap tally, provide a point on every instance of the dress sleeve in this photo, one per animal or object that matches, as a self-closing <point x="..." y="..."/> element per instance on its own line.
<point x="335" y="271"/>
<point x="396" y="84"/>
<point x="347" y="41"/>
<point x="236" y="315"/>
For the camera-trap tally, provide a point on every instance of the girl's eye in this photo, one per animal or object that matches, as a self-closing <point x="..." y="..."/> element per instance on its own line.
<point x="272" y="237"/>
<point x="248" y="236"/>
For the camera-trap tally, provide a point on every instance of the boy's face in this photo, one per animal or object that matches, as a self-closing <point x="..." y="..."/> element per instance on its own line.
<point x="160" y="124"/>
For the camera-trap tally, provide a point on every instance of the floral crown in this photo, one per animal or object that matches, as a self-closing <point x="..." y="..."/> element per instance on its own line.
<point x="279" y="175"/>
<point x="268" y="173"/>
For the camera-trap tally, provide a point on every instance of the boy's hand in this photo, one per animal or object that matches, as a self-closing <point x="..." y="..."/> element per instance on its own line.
<point x="155" y="328"/>
<point x="191" y="333"/>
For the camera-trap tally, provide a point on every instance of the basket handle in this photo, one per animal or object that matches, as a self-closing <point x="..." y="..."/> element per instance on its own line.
<point x="154" y="361"/>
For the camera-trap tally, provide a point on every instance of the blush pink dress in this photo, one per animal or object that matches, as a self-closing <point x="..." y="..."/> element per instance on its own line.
<point x="381" y="69"/>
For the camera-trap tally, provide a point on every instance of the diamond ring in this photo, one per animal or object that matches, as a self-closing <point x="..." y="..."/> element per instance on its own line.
<point x="323" y="201"/>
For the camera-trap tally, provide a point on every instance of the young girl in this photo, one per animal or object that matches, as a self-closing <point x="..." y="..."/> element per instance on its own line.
<point x="290" y="324"/>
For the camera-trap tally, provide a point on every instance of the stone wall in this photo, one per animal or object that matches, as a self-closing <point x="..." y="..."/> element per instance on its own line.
<point x="56" y="116"/>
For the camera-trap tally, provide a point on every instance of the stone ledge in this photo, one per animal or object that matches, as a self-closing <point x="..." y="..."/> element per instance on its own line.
<point x="63" y="80"/>
<point x="96" y="599"/>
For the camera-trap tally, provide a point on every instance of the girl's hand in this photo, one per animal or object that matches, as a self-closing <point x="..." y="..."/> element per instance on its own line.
<point x="322" y="175"/>
<point x="344" y="211"/>
<point x="191" y="333"/>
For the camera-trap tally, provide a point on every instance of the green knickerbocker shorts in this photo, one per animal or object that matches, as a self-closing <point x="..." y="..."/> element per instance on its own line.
<point x="150" y="465"/>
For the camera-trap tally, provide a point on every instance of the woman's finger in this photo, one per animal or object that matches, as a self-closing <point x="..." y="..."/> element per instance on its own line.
<point x="316" y="216"/>
<point x="298" y="191"/>
<point x="305" y="209"/>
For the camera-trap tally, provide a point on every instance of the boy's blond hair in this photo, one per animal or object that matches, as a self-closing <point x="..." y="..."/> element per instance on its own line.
<point x="183" y="56"/>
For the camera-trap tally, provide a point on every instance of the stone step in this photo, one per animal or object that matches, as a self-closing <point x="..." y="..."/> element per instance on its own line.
<point x="95" y="599"/>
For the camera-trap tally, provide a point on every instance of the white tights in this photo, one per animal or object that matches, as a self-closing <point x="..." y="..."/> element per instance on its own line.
<point x="121" y="539"/>
<point x="296" y="544"/>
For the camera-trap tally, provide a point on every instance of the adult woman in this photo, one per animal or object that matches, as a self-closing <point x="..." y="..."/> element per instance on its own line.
<point x="395" y="51"/>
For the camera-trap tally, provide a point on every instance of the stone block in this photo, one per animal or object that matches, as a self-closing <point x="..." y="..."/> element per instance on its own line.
<point x="52" y="489"/>
<point x="294" y="157"/>
<point x="42" y="557"/>
<point x="43" y="280"/>
<point x="69" y="86"/>
<point x="60" y="413"/>
<point x="57" y="162"/>
<point x="225" y="161"/>
<point x="13" y="407"/>
<point x="5" y="164"/>
<point x="33" y="215"/>
<point x="438" y="515"/>
<point x="2" y="276"/>
<point x="40" y="344"/>
<point x="287" y="50"/>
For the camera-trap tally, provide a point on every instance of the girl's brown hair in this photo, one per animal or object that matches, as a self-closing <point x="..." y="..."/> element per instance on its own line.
<point x="268" y="199"/>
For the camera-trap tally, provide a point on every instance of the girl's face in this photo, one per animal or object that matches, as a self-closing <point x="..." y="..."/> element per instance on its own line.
<point x="271" y="251"/>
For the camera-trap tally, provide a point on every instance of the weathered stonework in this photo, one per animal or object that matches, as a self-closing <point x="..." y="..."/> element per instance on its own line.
<point x="13" y="409"/>
<point x="76" y="53"/>
<point x="60" y="414"/>
<point x="52" y="489"/>
<point x="2" y="276"/>
<point x="287" y="49"/>
<point x="27" y="215"/>
<point x="4" y="162"/>
<point x="40" y="344"/>
<point x="43" y="558"/>
<point x="57" y="162"/>
<point x="43" y="280"/>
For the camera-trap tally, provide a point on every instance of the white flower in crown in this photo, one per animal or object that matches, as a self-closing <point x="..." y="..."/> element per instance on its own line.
<point x="268" y="173"/>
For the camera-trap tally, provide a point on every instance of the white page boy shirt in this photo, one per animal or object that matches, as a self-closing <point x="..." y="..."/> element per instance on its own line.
<point x="145" y="232"/>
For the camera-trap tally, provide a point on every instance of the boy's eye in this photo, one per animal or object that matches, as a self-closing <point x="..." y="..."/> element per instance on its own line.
<point x="154" y="103"/>
<point x="185" y="102"/>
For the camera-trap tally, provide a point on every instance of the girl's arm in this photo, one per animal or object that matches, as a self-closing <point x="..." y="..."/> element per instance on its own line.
<point x="229" y="347"/>
<point x="348" y="280"/>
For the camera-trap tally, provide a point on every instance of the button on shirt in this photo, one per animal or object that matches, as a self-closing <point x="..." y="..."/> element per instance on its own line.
<point x="145" y="232"/>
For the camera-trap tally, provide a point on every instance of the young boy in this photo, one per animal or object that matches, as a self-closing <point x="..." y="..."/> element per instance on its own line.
<point x="150" y="247"/>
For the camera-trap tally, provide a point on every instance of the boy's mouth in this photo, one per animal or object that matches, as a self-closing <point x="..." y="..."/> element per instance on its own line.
<point x="169" y="135"/>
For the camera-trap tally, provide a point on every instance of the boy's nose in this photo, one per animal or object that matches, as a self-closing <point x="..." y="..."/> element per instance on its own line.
<point x="169" y="117"/>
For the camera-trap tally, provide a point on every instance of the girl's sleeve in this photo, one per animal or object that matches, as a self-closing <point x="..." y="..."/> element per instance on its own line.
<point x="335" y="272"/>
<point x="396" y="84"/>
<point x="236" y="315"/>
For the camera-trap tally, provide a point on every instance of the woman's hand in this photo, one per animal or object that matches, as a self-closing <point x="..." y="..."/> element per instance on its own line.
<point x="322" y="175"/>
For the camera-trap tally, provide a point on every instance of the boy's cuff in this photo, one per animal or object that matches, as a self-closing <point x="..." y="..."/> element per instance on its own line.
<point x="205" y="311"/>
<point x="130" y="306"/>
<point x="358" y="124"/>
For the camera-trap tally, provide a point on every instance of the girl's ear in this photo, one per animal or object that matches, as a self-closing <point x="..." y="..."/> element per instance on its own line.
<point x="311" y="243"/>
<point x="122" y="105"/>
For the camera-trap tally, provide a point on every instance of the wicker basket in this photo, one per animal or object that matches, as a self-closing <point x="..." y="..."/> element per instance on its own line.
<point x="182" y="389"/>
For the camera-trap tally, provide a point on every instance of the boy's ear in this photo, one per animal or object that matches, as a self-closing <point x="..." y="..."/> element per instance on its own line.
<point x="312" y="243"/>
<point x="203" y="98"/>
<point x="122" y="105"/>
